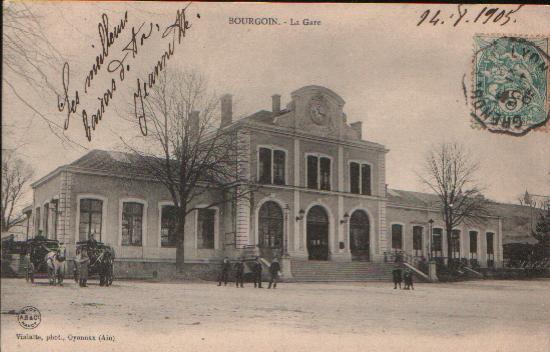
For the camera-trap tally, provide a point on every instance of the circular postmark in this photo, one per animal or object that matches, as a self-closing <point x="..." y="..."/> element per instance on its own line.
<point x="510" y="84"/>
<point x="29" y="317"/>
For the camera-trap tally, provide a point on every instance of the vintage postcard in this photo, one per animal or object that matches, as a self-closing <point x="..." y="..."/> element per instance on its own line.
<point x="189" y="176"/>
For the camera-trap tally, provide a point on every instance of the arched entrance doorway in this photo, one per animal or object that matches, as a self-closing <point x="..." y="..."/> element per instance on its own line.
<point x="359" y="235"/>
<point x="317" y="233"/>
<point x="270" y="229"/>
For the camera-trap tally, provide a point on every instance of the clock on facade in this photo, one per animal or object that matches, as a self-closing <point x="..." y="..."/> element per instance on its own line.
<point x="318" y="110"/>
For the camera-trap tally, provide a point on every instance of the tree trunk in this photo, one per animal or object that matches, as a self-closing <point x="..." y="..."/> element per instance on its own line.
<point x="180" y="230"/>
<point x="449" y="231"/>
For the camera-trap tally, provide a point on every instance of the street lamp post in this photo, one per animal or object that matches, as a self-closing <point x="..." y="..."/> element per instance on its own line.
<point x="431" y="222"/>
<point x="285" y="237"/>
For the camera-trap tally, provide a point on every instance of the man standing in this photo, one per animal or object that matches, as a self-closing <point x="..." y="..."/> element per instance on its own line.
<point x="83" y="261"/>
<point x="225" y="272"/>
<point x="274" y="269"/>
<point x="408" y="278"/>
<point x="257" y="270"/>
<point x="397" y="278"/>
<point x="239" y="273"/>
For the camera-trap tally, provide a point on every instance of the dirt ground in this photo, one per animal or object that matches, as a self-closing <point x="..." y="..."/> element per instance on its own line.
<point x="199" y="316"/>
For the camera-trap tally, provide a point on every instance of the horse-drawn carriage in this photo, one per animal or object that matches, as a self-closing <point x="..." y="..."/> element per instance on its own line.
<point x="44" y="256"/>
<point x="101" y="261"/>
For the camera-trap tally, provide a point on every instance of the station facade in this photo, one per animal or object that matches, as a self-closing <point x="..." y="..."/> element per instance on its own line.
<point x="320" y="194"/>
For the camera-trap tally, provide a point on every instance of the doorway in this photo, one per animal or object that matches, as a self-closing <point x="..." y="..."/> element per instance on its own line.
<point x="317" y="233"/>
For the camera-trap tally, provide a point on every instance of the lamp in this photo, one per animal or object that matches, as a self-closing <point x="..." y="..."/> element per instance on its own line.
<point x="431" y="221"/>
<point x="301" y="214"/>
<point x="346" y="217"/>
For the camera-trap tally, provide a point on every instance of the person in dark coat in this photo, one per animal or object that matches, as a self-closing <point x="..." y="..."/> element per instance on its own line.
<point x="226" y="265"/>
<point x="274" y="269"/>
<point x="239" y="273"/>
<point x="257" y="270"/>
<point x="92" y="242"/>
<point x="397" y="277"/>
<point x="408" y="278"/>
<point x="83" y="262"/>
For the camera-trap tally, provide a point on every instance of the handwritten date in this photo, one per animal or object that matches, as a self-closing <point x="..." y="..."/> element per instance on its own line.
<point x="487" y="15"/>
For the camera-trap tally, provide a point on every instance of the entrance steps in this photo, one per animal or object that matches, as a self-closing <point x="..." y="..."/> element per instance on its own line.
<point x="329" y="271"/>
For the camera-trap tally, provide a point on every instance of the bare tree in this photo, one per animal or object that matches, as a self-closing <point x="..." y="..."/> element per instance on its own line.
<point x="30" y="61"/>
<point x="185" y="150"/>
<point x="449" y="171"/>
<point x="16" y="175"/>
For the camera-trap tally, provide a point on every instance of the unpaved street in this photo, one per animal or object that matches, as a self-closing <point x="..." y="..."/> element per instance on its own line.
<point x="198" y="316"/>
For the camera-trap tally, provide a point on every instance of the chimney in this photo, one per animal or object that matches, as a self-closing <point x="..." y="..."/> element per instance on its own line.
<point x="276" y="103"/>
<point x="358" y="126"/>
<point x="194" y="124"/>
<point x="227" y="109"/>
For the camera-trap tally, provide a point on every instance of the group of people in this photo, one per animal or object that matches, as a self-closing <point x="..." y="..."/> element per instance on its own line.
<point x="399" y="276"/>
<point x="239" y="268"/>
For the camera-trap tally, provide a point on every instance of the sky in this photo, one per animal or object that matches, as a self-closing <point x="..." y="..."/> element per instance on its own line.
<point x="402" y="80"/>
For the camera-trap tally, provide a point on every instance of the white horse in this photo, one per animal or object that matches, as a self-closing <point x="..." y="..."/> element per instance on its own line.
<point x="56" y="265"/>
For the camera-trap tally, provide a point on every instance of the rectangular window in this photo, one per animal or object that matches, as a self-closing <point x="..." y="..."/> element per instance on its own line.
<point x="312" y="167"/>
<point x="325" y="174"/>
<point x="37" y="221"/>
<point x="490" y="250"/>
<point x="278" y="167"/>
<point x="437" y="244"/>
<point x="132" y="220"/>
<point x="46" y="220"/>
<point x="91" y="213"/>
<point x="473" y="242"/>
<point x="417" y="240"/>
<point x="490" y="239"/>
<point x="265" y="165"/>
<point x="206" y="221"/>
<point x="365" y="179"/>
<point x="396" y="236"/>
<point x="455" y="243"/>
<point x="55" y="218"/>
<point x="354" y="178"/>
<point x="168" y="226"/>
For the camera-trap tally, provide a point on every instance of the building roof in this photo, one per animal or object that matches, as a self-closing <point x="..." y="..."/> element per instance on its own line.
<point x="263" y="116"/>
<point x="119" y="163"/>
<point x="412" y="199"/>
<point x="516" y="219"/>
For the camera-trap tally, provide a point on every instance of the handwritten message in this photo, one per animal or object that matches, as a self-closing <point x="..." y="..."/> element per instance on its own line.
<point x="69" y="102"/>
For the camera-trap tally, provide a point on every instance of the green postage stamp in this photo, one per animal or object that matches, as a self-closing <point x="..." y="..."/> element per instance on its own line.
<point x="510" y="83"/>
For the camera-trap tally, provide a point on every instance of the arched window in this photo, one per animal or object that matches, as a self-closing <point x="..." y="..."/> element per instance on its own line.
<point x="317" y="232"/>
<point x="359" y="235"/>
<point x="270" y="225"/>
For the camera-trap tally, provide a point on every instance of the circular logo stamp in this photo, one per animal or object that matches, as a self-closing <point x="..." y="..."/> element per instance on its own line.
<point x="29" y="317"/>
<point x="511" y="83"/>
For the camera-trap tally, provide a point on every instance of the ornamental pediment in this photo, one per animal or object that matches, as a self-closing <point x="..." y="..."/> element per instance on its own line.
<point x="319" y="111"/>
